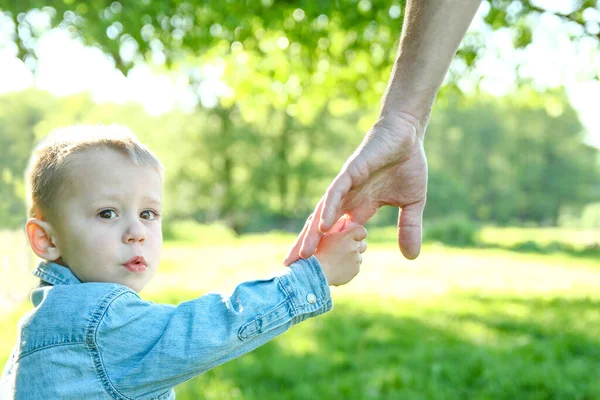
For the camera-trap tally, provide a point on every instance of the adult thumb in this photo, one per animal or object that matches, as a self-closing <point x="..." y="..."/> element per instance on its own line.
<point x="410" y="227"/>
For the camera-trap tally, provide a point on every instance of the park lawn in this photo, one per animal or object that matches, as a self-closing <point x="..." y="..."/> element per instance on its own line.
<point x="454" y="324"/>
<point x="511" y="236"/>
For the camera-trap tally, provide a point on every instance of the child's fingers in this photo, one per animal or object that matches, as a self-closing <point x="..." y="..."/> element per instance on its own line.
<point x="362" y="246"/>
<point x="339" y="225"/>
<point x="358" y="233"/>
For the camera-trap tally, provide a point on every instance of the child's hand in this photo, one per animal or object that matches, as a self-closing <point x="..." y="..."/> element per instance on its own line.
<point x="340" y="249"/>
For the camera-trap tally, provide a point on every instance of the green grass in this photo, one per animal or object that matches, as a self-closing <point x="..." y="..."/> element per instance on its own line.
<point x="454" y="324"/>
<point x="577" y="238"/>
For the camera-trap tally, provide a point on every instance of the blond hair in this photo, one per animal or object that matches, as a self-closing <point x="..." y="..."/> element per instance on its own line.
<point x="47" y="170"/>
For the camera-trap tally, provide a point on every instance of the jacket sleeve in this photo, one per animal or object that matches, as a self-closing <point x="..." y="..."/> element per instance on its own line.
<point x="147" y="348"/>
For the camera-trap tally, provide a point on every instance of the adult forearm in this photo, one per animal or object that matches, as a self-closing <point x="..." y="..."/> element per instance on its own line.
<point x="432" y="32"/>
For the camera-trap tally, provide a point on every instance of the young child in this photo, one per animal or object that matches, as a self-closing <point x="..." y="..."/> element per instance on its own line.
<point x="95" y="202"/>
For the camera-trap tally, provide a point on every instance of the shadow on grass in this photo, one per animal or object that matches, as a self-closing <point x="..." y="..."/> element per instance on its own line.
<point x="511" y="348"/>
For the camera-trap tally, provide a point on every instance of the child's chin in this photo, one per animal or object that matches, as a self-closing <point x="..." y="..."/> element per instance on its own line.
<point x="136" y="286"/>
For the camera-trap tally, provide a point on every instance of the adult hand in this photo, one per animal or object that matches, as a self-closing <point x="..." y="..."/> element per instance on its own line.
<point x="388" y="168"/>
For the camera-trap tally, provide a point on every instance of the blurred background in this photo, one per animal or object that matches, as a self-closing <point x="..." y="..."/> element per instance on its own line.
<point x="253" y="106"/>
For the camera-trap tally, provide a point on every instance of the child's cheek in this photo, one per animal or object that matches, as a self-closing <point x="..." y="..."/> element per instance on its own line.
<point x="102" y="243"/>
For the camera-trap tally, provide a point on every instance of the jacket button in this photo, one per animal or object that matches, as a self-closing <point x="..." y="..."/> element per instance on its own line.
<point x="311" y="298"/>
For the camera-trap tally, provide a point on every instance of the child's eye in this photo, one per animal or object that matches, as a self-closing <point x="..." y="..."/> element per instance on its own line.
<point x="107" y="214"/>
<point x="149" y="215"/>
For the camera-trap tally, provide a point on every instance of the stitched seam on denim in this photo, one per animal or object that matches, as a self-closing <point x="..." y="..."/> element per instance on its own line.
<point x="259" y="317"/>
<point x="315" y="269"/>
<point x="46" y="347"/>
<point x="324" y="302"/>
<point x="164" y="396"/>
<point x="314" y="263"/>
<point x="322" y="309"/>
<point x="91" y="332"/>
<point x="298" y="305"/>
<point x="290" y="293"/>
<point x="45" y="273"/>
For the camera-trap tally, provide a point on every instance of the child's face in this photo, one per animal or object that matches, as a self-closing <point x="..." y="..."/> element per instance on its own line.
<point x="109" y="229"/>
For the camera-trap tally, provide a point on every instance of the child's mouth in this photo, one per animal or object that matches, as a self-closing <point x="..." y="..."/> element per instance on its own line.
<point x="136" y="264"/>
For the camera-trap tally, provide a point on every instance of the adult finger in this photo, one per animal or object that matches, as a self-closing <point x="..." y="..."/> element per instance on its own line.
<point x="333" y="198"/>
<point x="410" y="222"/>
<point x="312" y="236"/>
<point x="294" y="253"/>
<point x="362" y="246"/>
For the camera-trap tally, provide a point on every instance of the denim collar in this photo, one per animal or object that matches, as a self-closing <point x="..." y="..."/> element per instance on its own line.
<point x="55" y="274"/>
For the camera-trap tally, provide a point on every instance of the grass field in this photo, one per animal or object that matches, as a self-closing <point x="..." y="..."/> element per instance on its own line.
<point x="482" y="323"/>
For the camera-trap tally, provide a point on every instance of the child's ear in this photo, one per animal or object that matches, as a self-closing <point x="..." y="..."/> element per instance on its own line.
<point x="40" y="234"/>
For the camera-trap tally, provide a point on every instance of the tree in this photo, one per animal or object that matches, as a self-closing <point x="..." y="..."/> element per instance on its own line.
<point x="520" y="158"/>
<point x="182" y="30"/>
<point x="18" y="117"/>
<point x="292" y="70"/>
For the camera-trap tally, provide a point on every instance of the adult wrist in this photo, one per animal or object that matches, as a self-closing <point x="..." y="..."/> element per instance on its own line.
<point x="400" y="120"/>
<point x="402" y="104"/>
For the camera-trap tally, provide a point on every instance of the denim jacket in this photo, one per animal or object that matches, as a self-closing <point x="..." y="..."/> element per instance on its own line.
<point x="102" y="341"/>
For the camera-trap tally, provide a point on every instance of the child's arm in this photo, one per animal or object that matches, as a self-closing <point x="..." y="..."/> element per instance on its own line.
<point x="146" y="349"/>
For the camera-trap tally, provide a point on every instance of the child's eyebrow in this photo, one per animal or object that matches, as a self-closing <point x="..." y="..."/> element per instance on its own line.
<point x="151" y="199"/>
<point x="118" y="198"/>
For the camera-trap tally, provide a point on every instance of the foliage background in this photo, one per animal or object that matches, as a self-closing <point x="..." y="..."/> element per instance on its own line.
<point x="301" y="83"/>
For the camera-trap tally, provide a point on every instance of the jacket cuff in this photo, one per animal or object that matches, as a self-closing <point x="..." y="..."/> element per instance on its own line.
<point x="307" y="288"/>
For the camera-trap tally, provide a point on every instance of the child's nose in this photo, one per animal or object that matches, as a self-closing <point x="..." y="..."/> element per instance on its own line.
<point x="134" y="233"/>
